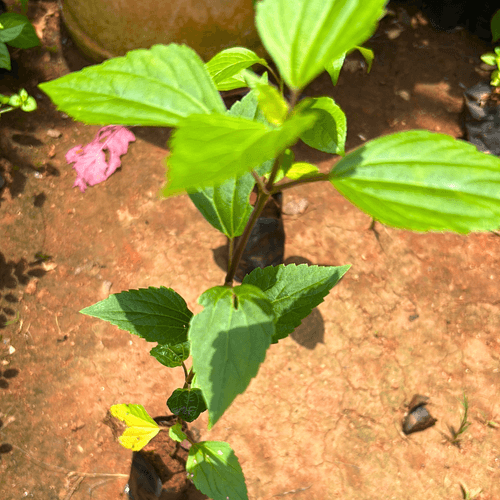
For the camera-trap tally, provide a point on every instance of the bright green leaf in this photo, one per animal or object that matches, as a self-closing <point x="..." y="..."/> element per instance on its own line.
<point x="229" y="339"/>
<point x="368" y="56"/>
<point x="286" y="164"/>
<point x="334" y="66"/>
<point x="171" y="355"/>
<point x="272" y="104"/>
<point x="158" y="86"/>
<point x="187" y="403"/>
<point x="141" y="428"/>
<point x="155" y="314"/>
<point x="4" y="56"/>
<point x="215" y="471"/>
<point x="330" y="130"/>
<point x="489" y="58"/>
<point x="208" y="149"/>
<point x="294" y="291"/>
<point x="298" y="170"/>
<point x="227" y="64"/>
<point x="175" y="433"/>
<point x="304" y="38"/>
<point x="423" y="181"/>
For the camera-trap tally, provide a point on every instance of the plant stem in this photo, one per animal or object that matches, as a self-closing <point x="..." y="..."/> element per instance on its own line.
<point x="189" y="377"/>
<point x="298" y="182"/>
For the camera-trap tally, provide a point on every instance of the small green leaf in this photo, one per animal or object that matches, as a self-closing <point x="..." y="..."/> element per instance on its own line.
<point x="12" y="26"/>
<point x="29" y="104"/>
<point x="208" y="149"/>
<point x="334" y="66"/>
<point x="175" y="433"/>
<point x="155" y="314"/>
<point x="171" y="355"/>
<point x="141" y="428"/>
<point x="294" y="291"/>
<point x="298" y="170"/>
<point x="215" y="471"/>
<point x="423" y="181"/>
<point x="229" y="63"/>
<point x="489" y="58"/>
<point x="368" y="56"/>
<point x="272" y="104"/>
<point x="329" y="132"/>
<point x="495" y="26"/>
<point x="304" y="38"/>
<point x="4" y="56"/>
<point x="286" y="165"/>
<point x="229" y="339"/>
<point x="157" y="87"/>
<point x="26" y="39"/>
<point x="187" y="403"/>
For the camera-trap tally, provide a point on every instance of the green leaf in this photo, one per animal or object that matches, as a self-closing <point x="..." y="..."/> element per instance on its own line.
<point x="489" y="58"/>
<point x="208" y="149"/>
<point x="12" y="26"/>
<point x="155" y="314"/>
<point x="294" y="291"/>
<point x="330" y="130"/>
<point x="187" y="403"/>
<point x="175" y="433"/>
<point x="298" y="170"/>
<point x="229" y="339"/>
<point x="304" y="38"/>
<point x="158" y="86"/>
<point x="227" y="64"/>
<point x="495" y="26"/>
<point x="4" y="56"/>
<point x="423" y="181"/>
<point x="272" y="104"/>
<point x="215" y="471"/>
<point x="334" y="66"/>
<point x="171" y="355"/>
<point x="286" y="165"/>
<point x="27" y="37"/>
<point x="141" y="428"/>
<point x="368" y="56"/>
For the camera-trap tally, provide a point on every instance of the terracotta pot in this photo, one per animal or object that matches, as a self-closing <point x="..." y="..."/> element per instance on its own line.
<point x="109" y="28"/>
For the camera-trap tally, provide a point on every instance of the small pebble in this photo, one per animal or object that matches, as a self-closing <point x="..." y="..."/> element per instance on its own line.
<point x="52" y="132"/>
<point x="296" y="207"/>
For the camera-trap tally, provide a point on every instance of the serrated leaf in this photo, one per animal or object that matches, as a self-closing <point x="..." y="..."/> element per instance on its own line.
<point x="175" y="433"/>
<point x="272" y="104"/>
<point x="422" y="181"/>
<point x="229" y="339"/>
<point x="158" y="87"/>
<point x="329" y="132"/>
<point x="229" y="63"/>
<point x="298" y="170"/>
<point x="208" y="149"/>
<point x="215" y="471"/>
<point x="303" y="39"/>
<point x="294" y="291"/>
<point x="155" y="314"/>
<point x="141" y="427"/>
<point x="171" y="355"/>
<point x="187" y="403"/>
<point x="25" y="39"/>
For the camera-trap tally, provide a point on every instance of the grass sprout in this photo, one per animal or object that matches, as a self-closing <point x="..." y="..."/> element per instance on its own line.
<point x="456" y="435"/>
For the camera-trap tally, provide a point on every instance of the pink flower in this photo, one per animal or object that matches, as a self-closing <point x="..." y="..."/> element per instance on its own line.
<point x="90" y="161"/>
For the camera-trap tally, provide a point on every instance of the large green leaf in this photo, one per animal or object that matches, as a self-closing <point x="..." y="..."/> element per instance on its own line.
<point x="155" y="314"/>
<point x="208" y="149"/>
<point x="215" y="471"/>
<point x="294" y="291"/>
<point x="423" y="181"/>
<point x="304" y="36"/>
<point x="157" y="87"/>
<point x="187" y="403"/>
<point x="330" y="130"/>
<point x="228" y="64"/>
<point x="229" y="339"/>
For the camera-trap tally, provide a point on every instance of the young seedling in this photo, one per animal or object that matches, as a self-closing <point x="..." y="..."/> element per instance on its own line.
<point x="415" y="180"/>
<point x="493" y="59"/>
<point x="456" y="435"/>
<point x="469" y="494"/>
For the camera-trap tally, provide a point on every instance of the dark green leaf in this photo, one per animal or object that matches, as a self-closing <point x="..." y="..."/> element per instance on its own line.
<point x="159" y="86"/>
<point x="155" y="314"/>
<point x="171" y="355"/>
<point x="294" y="291"/>
<point x="26" y="38"/>
<point x="215" y="471"/>
<point x="4" y="56"/>
<point x="187" y="403"/>
<point x="229" y="339"/>
<point x="302" y="39"/>
<point x="495" y="26"/>
<point x="423" y="181"/>
<point x="12" y="26"/>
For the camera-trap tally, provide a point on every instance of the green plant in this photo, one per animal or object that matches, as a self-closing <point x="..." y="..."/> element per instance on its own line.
<point x="20" y="100"/>
<point x="16" y="31"/>
<point x="493" y="59"/>
<point x="455" y="438"/>
<point x="414" y="180"/>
